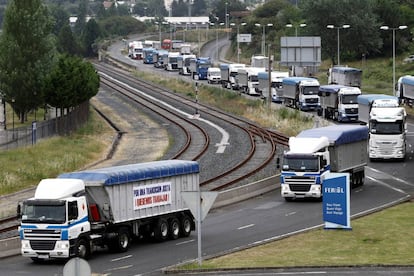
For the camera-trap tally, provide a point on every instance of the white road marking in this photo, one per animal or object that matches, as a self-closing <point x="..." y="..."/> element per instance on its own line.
<point x="121" y="258"/>
<point x="246" y="226"/>
<point x="184" y="242"/>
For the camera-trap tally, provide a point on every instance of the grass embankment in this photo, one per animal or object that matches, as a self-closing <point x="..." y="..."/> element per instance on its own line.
<point x="24" y="167"/>
<point x="383" y="238"/>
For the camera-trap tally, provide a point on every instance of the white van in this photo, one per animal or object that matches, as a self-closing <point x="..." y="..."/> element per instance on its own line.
<point x="213" y="75"/>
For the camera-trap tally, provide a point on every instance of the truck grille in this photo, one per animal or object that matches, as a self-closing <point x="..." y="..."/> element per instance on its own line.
<point x="299" y="184"/>
<point x="351" y="111"/>
<point x="38" y="234"/>
<point x="42" y="245"/>
<point x="312" y="100"/>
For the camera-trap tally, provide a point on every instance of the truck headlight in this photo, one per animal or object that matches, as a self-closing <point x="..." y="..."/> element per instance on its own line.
<point x="25" y="244"/>
<point x="62" y="245"/>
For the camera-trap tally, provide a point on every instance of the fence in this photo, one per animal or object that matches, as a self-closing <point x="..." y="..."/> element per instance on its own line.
<point x="59" y="125"/>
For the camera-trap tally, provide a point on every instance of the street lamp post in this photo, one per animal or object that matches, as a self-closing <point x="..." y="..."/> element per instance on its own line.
<point x="264" y="36"/>
<point x="13" y="116"/>
<point x="237" y="38"/>
<point x="346" y="26"/>
<point x="296" y="27"/>
<point x="386" y="28"/>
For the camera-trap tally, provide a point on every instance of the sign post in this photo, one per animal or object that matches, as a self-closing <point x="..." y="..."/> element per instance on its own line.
<point x="199" y="204"/>
<point x="336" y="201"/>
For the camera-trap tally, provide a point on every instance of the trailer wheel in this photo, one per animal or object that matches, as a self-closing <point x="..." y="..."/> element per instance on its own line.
<point x="174" y="227"/>
<point x="121" y="242"/>
<point x="161" y="230"/>
<point x="82" y="249"/>
<point x="185" y="226"/>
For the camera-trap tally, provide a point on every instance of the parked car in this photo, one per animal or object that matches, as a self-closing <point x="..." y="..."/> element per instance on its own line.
<point x="409" y="59"/>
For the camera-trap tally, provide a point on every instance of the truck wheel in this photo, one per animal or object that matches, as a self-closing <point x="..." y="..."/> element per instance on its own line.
<point x="82" y="249"/>
<point x="161" y="230"/>
<point x="123" y="240"/>
<point x="174" y="227"/>
<point x="185" y="226"/>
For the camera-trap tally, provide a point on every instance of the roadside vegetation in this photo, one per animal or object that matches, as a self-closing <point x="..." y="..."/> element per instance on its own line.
<point x="383" y="238"/>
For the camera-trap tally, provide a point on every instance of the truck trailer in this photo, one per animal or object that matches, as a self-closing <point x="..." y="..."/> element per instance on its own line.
<point x="275" y="84"/>
<point x="184" y="63"/>
<point x="78" y="212"/>
<point x="248" y="81"/>
<point x="160" y="58"/>
<point x="315" y="152"/>
<point x="301" y="93"/>
<point x="344" y="75"/>
<point x="387" y="124"/>
<point x="339" y="102"/>
<point x="228" y="74"/>
<point x="405" y="89"/>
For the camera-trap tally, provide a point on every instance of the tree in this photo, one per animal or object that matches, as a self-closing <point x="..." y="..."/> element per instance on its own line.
<point x="71" y="82"/>
<point x="89" y="36"/>
<point x="359" y="14"/>
<point x="67" y="42"/>
<point x="199" y="7"/>
<point x="26" y="54"/>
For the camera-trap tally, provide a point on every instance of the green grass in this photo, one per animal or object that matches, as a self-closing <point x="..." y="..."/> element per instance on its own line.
<point x="383" y="238"/>
<point x="24" y="167"/>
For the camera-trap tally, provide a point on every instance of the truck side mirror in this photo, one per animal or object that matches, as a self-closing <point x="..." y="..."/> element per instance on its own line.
<point x="278" y="163"/>
<point x="19" y="210"/>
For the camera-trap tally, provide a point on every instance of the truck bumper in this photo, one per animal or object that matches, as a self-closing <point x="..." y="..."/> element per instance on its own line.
<point x="314" y="191"/>
<point x="377" y="153"/>
<point x="60" y="250"/>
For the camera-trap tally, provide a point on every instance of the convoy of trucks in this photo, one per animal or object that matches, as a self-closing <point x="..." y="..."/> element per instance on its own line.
<point x="344" y="75"/>
<point x="387" y="124"/>
<point x="315" y="152"/>
<point x="301" y="93"/>
<point x="78" y="212"/>
<point x="247" y="80"/>
<point x="275" y="84"/>
<point x="405" y="89"/>
<point x="339" y="102"/>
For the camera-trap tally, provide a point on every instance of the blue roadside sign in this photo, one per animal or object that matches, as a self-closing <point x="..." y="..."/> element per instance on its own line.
<point x="336" y="201"/>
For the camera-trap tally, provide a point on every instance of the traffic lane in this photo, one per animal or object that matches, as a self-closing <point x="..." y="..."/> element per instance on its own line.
<point x="397" y="168"/>
<point x="253" y="222"/>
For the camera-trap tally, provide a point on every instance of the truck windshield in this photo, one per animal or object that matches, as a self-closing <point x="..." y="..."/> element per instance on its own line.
<point x="204" y="65"/>
<point x="386" y="127"/>
<point x="310" y="90"/>
<point x="301" y="163"/>
<point x="253" y="78"/>
<point x="173" y="60"/>
<point x="44" y="211"/>
<point x="349" y="99"/>
<point x="276" y="85"/>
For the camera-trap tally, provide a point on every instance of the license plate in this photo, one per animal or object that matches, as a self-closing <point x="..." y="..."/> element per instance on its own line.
<point x="45" y="257"/>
